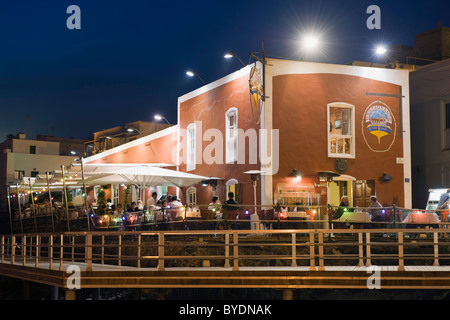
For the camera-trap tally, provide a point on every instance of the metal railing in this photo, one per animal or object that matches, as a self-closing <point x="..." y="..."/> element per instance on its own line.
<point x="158" y="250"/>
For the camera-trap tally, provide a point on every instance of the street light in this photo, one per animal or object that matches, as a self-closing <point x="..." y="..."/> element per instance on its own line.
<point x="232" y="54"/>
<point x="112" y="138"/>
<point x="84" y="185"/>
<point x="310" y="41"/>
<point x="160" y="117"/>
<point x="193" y="73"/>
<point x="380" y="50"/>
<point x="134" y="129"/>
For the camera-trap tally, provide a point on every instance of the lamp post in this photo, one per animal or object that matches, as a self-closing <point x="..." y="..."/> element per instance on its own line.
<point x="9" y="208"/>
<point x="160" y="117"/>
<point x="50" y="199"/>
<point x="193" y="73"/>
<point x="112" y="138"/>
<point x="84" y="187"/>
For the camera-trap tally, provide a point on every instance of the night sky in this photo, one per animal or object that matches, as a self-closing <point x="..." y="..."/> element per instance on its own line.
<point x="129" y="59"/>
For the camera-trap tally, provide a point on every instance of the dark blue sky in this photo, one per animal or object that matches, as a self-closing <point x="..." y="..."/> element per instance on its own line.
<point x="129" y="59"/>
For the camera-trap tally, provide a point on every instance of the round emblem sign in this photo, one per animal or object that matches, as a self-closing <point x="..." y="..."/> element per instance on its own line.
<point x="378" y="127"/>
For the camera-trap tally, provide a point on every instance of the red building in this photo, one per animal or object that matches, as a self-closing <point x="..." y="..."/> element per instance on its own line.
<point x="311" y="120"/>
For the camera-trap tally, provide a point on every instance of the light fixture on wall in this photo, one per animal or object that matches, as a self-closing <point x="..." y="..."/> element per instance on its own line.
<point x="385" y="177"/>
<point x="296" y="174"/>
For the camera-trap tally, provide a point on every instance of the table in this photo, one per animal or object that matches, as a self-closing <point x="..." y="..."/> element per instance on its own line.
<point x="359" y="217"/>
<point x="422" y="218"/>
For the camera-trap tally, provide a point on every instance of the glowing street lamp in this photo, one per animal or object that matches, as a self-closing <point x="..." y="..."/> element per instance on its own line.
<point x="233" y="54"/>
<point x="134" y="129"/>
<point x="160" y="117"/>
<point x="380" y="50"/>
<point x="193" y="73"/>
<point x="310" y="42"/>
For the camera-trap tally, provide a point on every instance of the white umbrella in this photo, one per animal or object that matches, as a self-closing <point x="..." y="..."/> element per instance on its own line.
<point x="145" y="175"/>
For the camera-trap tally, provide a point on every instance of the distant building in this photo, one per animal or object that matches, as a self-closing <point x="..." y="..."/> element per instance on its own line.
<point x="21" y="157"/>
<point x="433" y="44"/>
<point x="113" y="137"/>
<point x="430" y="129"/>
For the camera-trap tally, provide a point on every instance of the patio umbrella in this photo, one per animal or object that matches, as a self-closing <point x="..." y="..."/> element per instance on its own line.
<point x="144" y="176"/>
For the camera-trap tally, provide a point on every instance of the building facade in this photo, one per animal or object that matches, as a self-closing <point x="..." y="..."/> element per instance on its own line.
<point x="311" y="132"/>
<point x="22" y="157"/>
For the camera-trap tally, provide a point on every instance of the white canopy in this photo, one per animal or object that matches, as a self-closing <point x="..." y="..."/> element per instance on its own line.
<point x="144" y="175"/>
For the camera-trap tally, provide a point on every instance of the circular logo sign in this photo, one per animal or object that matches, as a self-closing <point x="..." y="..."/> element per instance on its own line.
<point x="378" y="127"/>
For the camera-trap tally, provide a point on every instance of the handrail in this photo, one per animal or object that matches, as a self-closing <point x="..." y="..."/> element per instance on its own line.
<point x="159" y="250"/>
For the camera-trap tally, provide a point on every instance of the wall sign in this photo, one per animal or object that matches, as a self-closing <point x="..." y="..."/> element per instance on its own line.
<point x="378" y="127"/>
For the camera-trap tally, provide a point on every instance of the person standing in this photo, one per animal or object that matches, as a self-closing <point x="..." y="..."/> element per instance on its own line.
<point x="443" y="204"/>
<point x="151" y="202"/>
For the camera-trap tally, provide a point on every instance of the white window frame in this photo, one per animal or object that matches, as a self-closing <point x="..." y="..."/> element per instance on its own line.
<point x="348" y="136"/>
<point x="231" y="136"/>
<point x="191" y="149"/>
<point x="191" y="196"/>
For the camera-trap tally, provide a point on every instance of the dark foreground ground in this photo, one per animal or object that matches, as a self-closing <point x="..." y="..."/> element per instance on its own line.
<point x="12" y="289"/>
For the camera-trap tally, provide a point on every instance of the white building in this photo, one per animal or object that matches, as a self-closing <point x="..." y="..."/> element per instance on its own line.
<point x="21" y="157"/>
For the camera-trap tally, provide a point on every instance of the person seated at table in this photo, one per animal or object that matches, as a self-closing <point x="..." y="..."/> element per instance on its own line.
<point x="119" y="210"/>
<point x="343" y="206"/>
<point x="215" y="206"/>
<point x="377" y="214"/>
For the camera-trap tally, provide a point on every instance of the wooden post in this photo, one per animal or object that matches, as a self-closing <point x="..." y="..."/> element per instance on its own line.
<point x="24" y="250"/>
<point x="50" y="252"/>
<point x="294" y="250"/>
<point x="139" y="251"/>
<point x="361" y="249"/>
<point x="312" y="255"/>
<point x="13" y="249"/>
<point x="368" y="252"/>
<point x="38" y="250"/>
<point x="235" y="252"/>
<point x="401" y="264"/>
<point x="321" y="262"/>
<point x="70" y="295"/>
<point x="88" y="254"/>
<point x="161" y="251"/>
<point x="120" y="251"/>
<point x="61" y="252"/>
<point x="436" y="248"/>
<point x="227" y="250"/>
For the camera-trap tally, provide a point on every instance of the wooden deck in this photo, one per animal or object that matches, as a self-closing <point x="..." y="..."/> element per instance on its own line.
<point x="348" y="277"/>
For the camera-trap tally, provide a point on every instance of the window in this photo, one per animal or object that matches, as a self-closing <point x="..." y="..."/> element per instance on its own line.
<point x="34" y="174"/>
<point x="447" y="116"/>
<point x="191" y="196"/>
<point x="231" y="135"/>
<point x="341" y="137"/>
<point x="32" y="149"/>
<point x="445" y="124"/>
<point x="19" y="174"/>
<point x="191" y="150"/>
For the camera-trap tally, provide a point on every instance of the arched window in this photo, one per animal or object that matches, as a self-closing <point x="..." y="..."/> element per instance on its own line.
<point x="191" y="196"/>
<point x="231" y="135"/>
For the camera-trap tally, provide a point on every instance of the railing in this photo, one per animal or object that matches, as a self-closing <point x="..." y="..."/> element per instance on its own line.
<point x="314" y="249"/>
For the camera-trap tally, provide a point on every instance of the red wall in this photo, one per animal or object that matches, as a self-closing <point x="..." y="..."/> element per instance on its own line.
<point x="300" y="113"/>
